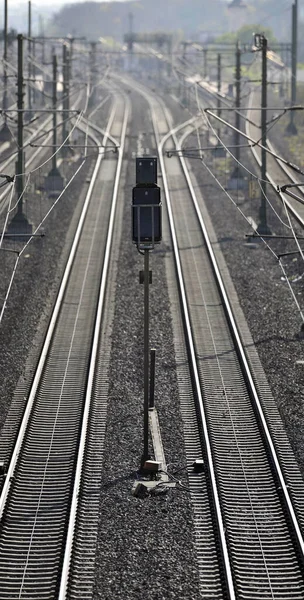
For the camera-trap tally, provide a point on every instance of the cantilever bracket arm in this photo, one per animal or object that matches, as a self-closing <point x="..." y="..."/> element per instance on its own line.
<point x="8" y="178"/>
<point x="284" y="190"/>
<point x="254" y="142"/>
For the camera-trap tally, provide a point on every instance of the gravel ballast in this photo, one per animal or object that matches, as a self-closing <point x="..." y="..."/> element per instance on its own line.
<point x="266" y="302"/>
<point x="145" y="545"/>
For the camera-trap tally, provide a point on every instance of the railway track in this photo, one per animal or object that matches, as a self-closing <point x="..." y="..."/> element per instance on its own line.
<point x="248" y="503"/>
<point x="37" y="145"/>
<point x="248" y="498"/>
<point x="39" y="505"/>
<point x="278" y="173"/>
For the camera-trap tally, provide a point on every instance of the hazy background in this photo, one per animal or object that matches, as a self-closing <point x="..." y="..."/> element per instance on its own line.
<point x="196" y="19"/>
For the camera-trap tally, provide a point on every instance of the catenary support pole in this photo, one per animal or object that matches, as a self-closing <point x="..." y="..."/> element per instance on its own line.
<point x="29" y="49"/>
<point x="54" y="158"/>
<point x="41" y="35"/>
<point x="130" y="17"/>
<point x="92" y="72"/>
<point x="20" y="106"/>
<point x="219" y="86"/>
<point x="205" y="50"/>
<point x="5" y="133"/>
<point x="237" y="172"/>
<point x="291" y="128"/>
<point x="65" y="103"/>
<point x="54" y="182"/>
<point x="19" y="225"/>
<point x="42" y="41"/>
<point x="70" y="56"/>
<point x="237" y="180"/>
<point x="5" y="60"/>
<point x="34" y="71"/>
<point x="263" y="227"/>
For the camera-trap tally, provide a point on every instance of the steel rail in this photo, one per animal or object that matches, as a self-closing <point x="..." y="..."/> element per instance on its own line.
<point x="53" y="321"/>
<point x="17" y="450"/>
<point x="280" y="475"/>
<point x="225" y="553"/>
<point x="189" y="335"/>
<point x="78" y="474"/>
<point x="284" y="167"/>
<point x="30" y="160"/>
<point x="284" y="197"/>
<point x="243" y="358"/>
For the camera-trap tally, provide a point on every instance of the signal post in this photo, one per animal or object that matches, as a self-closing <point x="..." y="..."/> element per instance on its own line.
<point x="146" y="232"/>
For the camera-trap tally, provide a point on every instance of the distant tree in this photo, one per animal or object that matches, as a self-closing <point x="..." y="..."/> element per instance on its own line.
<point x="101" y="19"/>
<point x="244" y="35"/>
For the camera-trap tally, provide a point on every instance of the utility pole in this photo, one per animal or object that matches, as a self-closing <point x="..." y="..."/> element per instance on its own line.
<point x="19" y="224"/>
<point x="41" y="35"/>
<point x="170" y="61"/>
<point x="5" y="134"/>
<point x="261" y="43"/>
<point x="66" y="91"/>
<point x="92" y="72"/>
<point x="20" y="105"/>
<point x="34" y="71"/>
<point x="29" y="47"/>
<point x="130" y="43"/>
<point x="71" y="52"/>
<point x="205" y="50"/>
<point x="54" y="182"/>
<point x="219" y="87"/>
<point x="237" y="172"/>
<point x="54" y="159"/>
<point x="291" y="128"/>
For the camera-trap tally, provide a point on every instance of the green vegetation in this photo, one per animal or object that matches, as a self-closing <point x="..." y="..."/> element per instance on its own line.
<point x="244" y="35"/>
<point x="198" y="19"/>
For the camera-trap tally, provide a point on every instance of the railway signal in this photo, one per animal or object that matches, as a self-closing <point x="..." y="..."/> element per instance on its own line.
<point x="146" y="205"/>
<point x="146" y="232"/>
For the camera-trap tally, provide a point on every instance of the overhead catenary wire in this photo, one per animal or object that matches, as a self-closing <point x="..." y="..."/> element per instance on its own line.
<point x="22" y="251"/>
<point x="256" y="233"/>
<point x="207" y="121"/>
<point x="289" y="225"/>
<point x="38" y="227"/>
<point x="209" y="125"/>
<point x="259" y="180"/>
<point x="79" y="118"/>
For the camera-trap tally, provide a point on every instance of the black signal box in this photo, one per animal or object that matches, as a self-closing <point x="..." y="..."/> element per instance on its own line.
<point x="146" y="171"/>
<point x="146" y="215"/>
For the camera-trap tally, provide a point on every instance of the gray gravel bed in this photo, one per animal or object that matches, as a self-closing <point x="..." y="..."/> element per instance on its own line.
<point x="263" y="292"/>
<point x="34" y="288"/>
<point x="39" y="272"/>
<point x="145" y="547"/>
